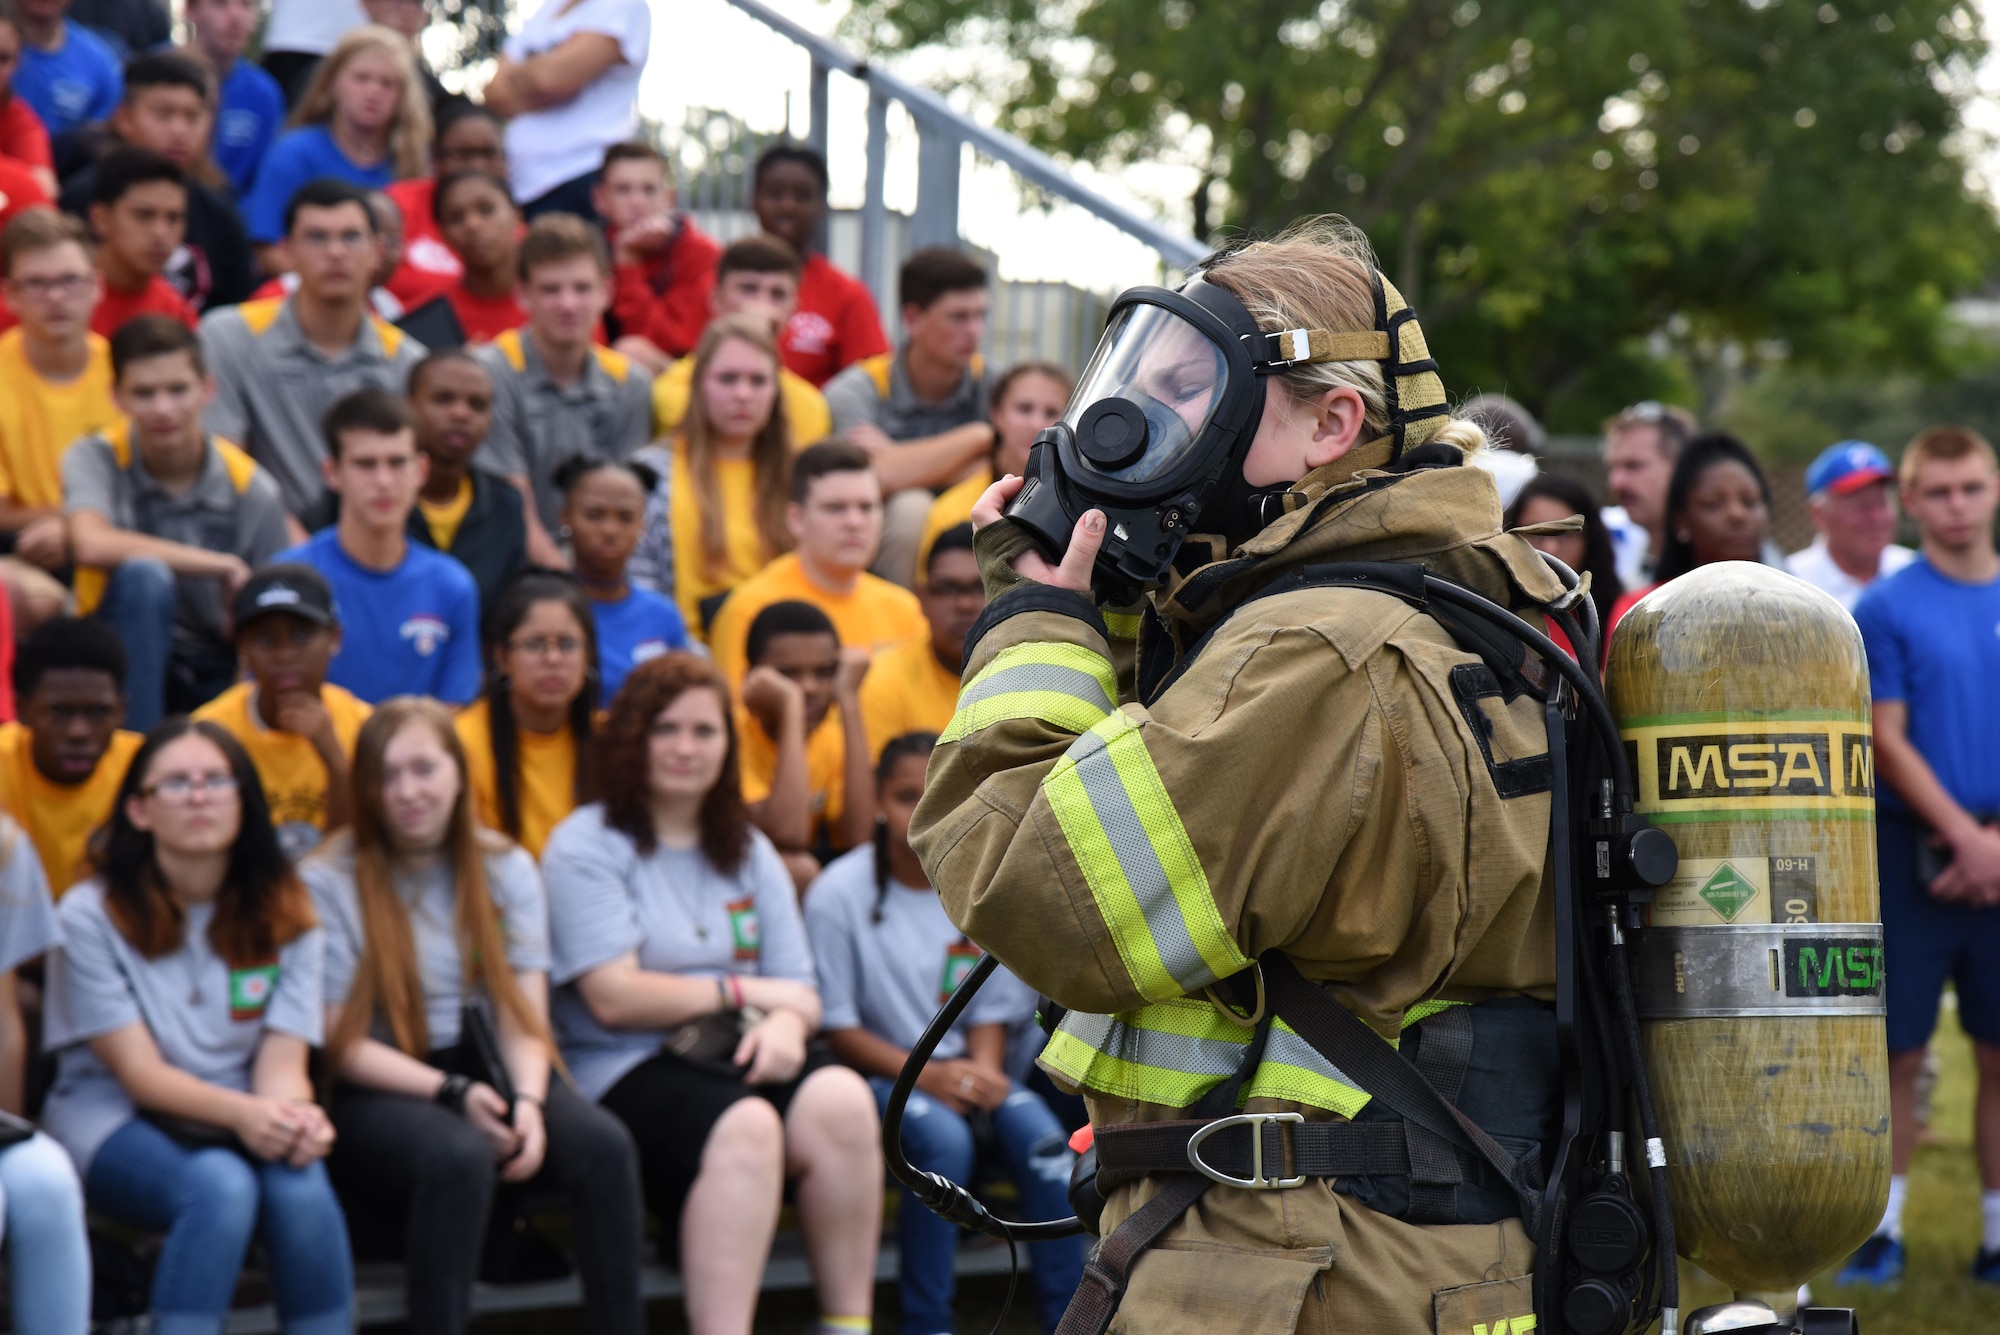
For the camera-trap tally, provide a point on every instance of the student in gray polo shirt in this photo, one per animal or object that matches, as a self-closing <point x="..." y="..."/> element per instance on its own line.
<point x="557" y="392"/>
<point x="921" y="411"/>
<point x="281" y="363"/>
<point x="166" y="523"/>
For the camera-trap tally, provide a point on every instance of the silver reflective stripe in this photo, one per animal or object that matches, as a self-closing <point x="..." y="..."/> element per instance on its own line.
<point x="1127" y="835"/>
<point x="1288" y="1048"/>
<point x="1040" y="677"/>
<point x="1156" y="1048"/>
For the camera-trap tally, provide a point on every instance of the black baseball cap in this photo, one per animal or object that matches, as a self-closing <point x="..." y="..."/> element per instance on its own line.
<point x="294" y="589"/>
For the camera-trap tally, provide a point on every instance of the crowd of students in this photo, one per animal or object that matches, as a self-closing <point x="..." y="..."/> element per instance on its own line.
<point x="470" y="648"/>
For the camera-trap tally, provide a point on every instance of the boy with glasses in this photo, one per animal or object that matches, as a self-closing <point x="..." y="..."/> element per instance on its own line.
<point x="914" y="686"/>
<point x="281" y="363"/>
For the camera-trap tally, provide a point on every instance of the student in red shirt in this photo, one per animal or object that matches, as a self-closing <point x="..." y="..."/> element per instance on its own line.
<point x="836" y="323"/>
<point x="23" y="138"/>
<point x="20" y="190"/>
<point x="477" y="217"/>
<point x="468" y="138"/>
<point x="139" y="213"/>
<point x="662" y="265"/>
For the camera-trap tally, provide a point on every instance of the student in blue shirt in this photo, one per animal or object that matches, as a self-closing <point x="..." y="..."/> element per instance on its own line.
<point x="362" y="120"/>
<point x="604" y="509"/>
<point x="67" y="72"/>
<point x="409" y="615"/>
<point x="250" y="106"/>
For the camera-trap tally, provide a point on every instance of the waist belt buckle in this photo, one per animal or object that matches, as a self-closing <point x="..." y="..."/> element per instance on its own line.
<point x="1257" y="1181"/>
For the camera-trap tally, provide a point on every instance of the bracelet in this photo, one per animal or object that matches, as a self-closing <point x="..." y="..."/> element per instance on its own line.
<point x="735" y="991"/>
<point x="451" y="1094"/>
<point x="722" y="994"/>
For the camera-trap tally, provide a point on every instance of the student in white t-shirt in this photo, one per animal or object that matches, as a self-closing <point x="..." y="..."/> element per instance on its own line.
<point x="182" y="1006"/>
<point x="569" y="84"/>
<point x="1850" y="489"/>
<point x="887" y="958"/>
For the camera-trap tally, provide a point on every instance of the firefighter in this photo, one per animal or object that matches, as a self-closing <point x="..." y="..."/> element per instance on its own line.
<point x="1300" y="770"/>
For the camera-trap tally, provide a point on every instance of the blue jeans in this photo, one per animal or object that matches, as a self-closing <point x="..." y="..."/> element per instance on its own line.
<point x="1031" y="1143"/>
<point x="141" y="601"/>
<point x="209" y="1201"/>
<point x="48" y="1252"/>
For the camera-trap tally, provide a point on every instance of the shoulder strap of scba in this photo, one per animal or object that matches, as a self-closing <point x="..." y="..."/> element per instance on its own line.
<point x="241" y="468"/>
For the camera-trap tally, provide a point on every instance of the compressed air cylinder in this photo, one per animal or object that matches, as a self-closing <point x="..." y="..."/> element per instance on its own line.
<point x="1742" y="697"/>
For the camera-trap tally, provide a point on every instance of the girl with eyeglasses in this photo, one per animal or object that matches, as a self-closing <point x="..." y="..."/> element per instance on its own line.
<point x="528" y="738"/>
<point x="183" y="1006"/>
<point x="426" y="913"/>
<point x="686" y="1005"/>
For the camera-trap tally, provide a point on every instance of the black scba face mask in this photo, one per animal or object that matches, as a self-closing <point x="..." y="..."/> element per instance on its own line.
<point x="1160" y="425"/>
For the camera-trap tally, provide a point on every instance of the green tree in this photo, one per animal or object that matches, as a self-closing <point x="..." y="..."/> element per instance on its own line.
<point x="1589" y="200"/>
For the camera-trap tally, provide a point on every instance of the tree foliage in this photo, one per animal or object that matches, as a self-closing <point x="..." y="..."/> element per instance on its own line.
<point x="1589" y="200"/>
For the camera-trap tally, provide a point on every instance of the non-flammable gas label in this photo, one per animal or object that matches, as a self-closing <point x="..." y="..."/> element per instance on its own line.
<point x="1738" y="891"/>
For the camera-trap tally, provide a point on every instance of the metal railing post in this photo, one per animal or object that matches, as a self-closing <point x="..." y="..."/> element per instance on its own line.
<point x="874" y="214"/>
<point x="818" y="133"/>
<point x="935" y="222"/>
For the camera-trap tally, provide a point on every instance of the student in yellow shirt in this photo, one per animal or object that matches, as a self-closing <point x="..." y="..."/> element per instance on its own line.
<point x="914" y="687"/>
<point x="62" y="763"/>
<point x="1026" y="401"/>
<point x="528" y="736"/>
<point x="719" y="515"/>
<point x="758" y="275"/>
<point x="835" y="518"/>
<point x="803" y="749"/>
<point x="55" y="388"/>
<point x="298" y="728"/>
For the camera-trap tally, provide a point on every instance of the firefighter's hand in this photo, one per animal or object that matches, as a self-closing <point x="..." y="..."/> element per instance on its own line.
<point x="1028" y="564"/>
<point x="1974" y="874"/>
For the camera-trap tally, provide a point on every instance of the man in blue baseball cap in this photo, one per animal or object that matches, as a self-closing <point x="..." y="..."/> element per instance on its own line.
<point x="1850" y="490"/>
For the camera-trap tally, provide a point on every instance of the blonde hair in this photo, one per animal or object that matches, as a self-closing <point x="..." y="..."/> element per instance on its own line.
<point x="770" y="447"/>
<point x="1320" y="273"/>
<point x="1942" y="444"/>
<point x="410" y="132"/>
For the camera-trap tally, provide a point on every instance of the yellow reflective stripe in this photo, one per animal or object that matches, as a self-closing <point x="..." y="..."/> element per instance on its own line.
<point x="1102" y="1073"/>
<point x="1064" y="685"/>
<point x="1139" y="863"/>
<point x="1423" y="1010"/>
<point x="1122" y="625"/>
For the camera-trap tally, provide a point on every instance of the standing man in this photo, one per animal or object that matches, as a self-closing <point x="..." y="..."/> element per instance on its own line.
<point x="166" y="522"/>
<point x="409" y="615"/>
<point x="921" y="413"/>
<point x="836" y="323"/>
<point x="1854" y="515"/>
<point x="557" y="393"/>
<point x="281" y="362"/>
<point x="1640" y="446"/>
<point x="1933" y="636"/>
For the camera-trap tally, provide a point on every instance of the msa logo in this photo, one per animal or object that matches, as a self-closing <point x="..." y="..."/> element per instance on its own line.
<point x="1728" y="766"/>
<point x="1508" y="1325"/>
<point x="1833" y="967"/>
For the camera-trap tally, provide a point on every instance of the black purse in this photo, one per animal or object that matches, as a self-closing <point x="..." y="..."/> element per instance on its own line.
<point x="477" y="1055"/>
<point x="710" y="1040"/>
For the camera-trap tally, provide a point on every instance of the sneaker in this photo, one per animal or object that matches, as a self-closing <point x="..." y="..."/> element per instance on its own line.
<point x="1879" y="1263"/>
<point x="1986" y="1267"/>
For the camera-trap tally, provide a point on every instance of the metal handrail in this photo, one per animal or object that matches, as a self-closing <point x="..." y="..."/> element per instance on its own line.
<point x="937" y="120"/>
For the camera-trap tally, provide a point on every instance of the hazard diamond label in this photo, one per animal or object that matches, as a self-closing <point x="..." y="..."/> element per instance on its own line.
<point x="1727" y="892"/>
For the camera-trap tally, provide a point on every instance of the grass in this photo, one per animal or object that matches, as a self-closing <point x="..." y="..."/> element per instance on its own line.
<point x="1940" y="1225"/>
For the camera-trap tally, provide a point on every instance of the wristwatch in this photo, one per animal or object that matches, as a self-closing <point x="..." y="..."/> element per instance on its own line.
<point x="451" y="1094"/>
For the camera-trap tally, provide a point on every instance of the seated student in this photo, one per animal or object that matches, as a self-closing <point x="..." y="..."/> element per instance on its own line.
<point x="558" y="394"/>
<point x="835" y="518"/>
<point x="297" y="727"/>
<point x="663" y="266"/>
<point x="914" y="687"/>
<point x="463" y="511"/>
<point x="685" y="1005"/>
<point x="389" y="236"/>
<point x="20" y="190"/>
<point x="166" y="523"/>
<point x="182" y="1008"/>
<point x="528" y="737"/>
<point x="57" y="375"/>
<point x="836" y="324"/>
<point x="718" y="516"/>
<point x="363" y="120"/>
<point x="167" y="110"/>
<point x="469" y="138"/>
<point x="41" y="1202"/>
<point x="408" y="19"/>
<point x="887" y="958"/>
<point x="280" y="364"/>
<point x="250" y="107"/>
<point x="409" y="615"/>
<point x="425" y="914"/>
<point x="921" y="412"/>
<point x="139" y="217"/>
<point x="756" y="276"/>
<point x="803" y="747"/>
<point x="603" y="506"/>
<point x="61" y="764"/>
<point x="68" y="74"/>
<point x="478" y="220"/>
<point x="1026" y="400"/>
<point x="24" y="140"/>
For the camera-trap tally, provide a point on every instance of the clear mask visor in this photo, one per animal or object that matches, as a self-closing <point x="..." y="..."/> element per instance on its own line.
<point x="1171" y="370"/>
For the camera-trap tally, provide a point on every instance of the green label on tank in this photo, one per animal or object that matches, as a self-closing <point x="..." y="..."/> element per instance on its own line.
<point x="1833" y="966"/>
<point x="1727" y="892"/>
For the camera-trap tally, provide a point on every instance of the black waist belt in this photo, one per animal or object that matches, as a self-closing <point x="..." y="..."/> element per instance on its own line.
<point x="1231" y="1154"/>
